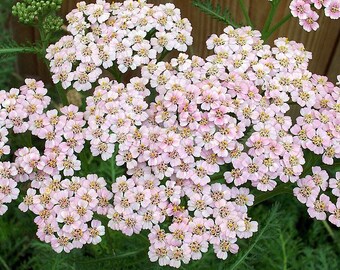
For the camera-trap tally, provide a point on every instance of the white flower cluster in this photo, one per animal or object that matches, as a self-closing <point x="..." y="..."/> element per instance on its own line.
<point x="124" y="35"/>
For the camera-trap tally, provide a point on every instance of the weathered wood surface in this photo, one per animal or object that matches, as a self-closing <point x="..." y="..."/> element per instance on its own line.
<point x="324" y="43"/>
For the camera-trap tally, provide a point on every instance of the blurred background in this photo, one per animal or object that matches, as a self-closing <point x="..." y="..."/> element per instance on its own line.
<point x="324" y="43"/>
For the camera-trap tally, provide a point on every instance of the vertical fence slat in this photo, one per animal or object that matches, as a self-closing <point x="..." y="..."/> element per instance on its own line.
<point x="334" y="64"/>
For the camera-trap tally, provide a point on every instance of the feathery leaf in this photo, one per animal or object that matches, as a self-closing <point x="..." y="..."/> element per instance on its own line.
<point x="8" y="47"/>
<point x="271" y="223"/>
<point x="223" y="15"/>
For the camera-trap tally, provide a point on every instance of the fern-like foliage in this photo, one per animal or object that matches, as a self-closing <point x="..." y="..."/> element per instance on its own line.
<point x="285" y="247"/>
<point x="287" y="240"/>
<point x="216" y="12"/>
<point x="7" y="64"/>
<point x="268" y="227"/>
<point x="8" y="47"/>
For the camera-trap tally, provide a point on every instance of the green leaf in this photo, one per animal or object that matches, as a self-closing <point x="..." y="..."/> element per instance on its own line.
<point x="114" y="257"/>
<point x="4" y="264"/>
<point x="9" y="47"/>
<point x="216" y="12"/>
<point x="271" y="223"/>
<point x="280" y="189"/>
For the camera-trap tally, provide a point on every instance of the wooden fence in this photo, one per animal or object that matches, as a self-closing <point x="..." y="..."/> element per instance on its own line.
<point x="324" y="43"/>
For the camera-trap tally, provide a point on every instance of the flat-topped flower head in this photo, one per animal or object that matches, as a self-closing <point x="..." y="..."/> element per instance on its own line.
<point x="126" y="35"/>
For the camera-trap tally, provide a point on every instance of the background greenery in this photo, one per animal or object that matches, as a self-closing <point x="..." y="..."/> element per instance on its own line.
<point x="7" y="71"/>
<point x="287" y="239"/>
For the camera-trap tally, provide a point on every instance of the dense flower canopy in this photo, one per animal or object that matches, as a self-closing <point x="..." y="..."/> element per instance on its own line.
<point x="195" y="135"/>
<point x="107" y="35"/>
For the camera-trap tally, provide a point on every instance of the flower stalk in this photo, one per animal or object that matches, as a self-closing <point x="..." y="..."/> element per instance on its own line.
<point x="245" y="13"/>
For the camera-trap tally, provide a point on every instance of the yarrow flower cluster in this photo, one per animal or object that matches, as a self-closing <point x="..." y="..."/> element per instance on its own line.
<point x="308" y="17"/>
<point x="65" y="209"/>
<point x="190" y="134"/>
<point x="286" y="79"/>
<point x="8" y="190"/>
<point x="16" y="108"/>
<point x="312" y="191"/>
<point x="112" y="112"/>
<point x="317" y="127"/>
<point x="128" y="35"/>
<point x="194" y="130"/>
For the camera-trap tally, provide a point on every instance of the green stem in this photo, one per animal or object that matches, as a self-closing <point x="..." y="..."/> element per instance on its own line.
<point x="151" y="33"/>
<point x="245" y="13"/>
<point x="284" y="252"/>
<point x="90" y="160"/>
<point x="19" y="50"/>
<point x="113" y="169"/>
<point x="83" y="158"/>
<point x="114" y="257"/>
<point x="43" y="36"/>
<point x="273" y="9"/>
<point x="163" y="54"/>
<point x="116" y="73"/>
<point x="62" y="94"/>
<point x="281" y="189"/>
<point x="267" y="34"/>
<point x="329" y="229"/>
<point x="113" y="164"/>
<point x="331" y="233"/>
<point x="4" y="264"/>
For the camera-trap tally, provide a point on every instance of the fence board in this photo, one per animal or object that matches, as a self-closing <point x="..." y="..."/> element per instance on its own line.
<point x="334" y="66"/>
